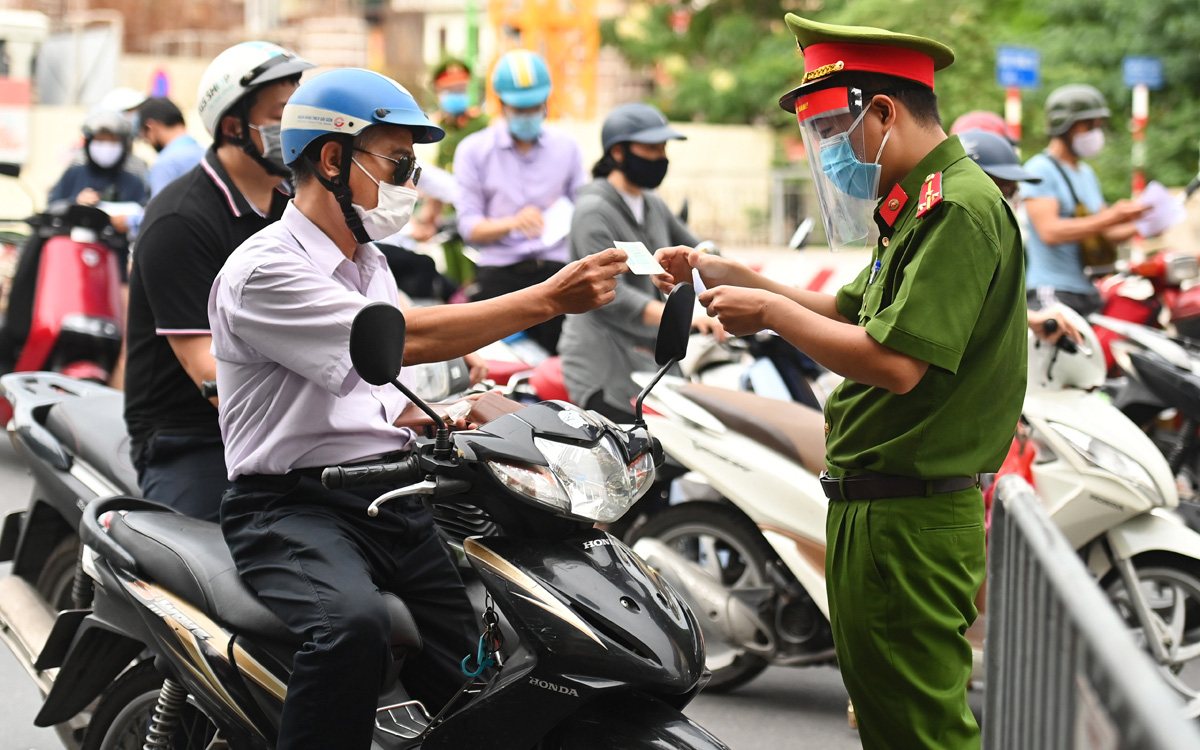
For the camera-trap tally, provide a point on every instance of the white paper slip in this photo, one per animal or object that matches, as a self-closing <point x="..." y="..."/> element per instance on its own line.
<point x="697" y="282"/>
<point x="640" y="260"/>
<point x="556" y="221"/>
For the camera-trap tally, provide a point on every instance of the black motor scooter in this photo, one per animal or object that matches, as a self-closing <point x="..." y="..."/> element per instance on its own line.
<point x="606" y="653"/>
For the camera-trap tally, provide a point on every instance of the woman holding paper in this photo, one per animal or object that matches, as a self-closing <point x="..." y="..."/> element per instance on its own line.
<point x="602" y="349"/>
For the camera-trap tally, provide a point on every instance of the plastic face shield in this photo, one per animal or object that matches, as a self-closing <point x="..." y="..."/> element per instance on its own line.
<point x="845" y="177"/>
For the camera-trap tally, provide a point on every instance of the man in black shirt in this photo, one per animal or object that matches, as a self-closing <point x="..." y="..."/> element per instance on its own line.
<point x="188" y="231"/>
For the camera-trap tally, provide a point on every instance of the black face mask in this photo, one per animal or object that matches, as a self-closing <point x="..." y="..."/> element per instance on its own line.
<point x="645" y="173"/>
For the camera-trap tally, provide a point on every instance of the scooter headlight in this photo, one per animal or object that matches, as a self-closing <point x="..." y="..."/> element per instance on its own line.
<point x="591" y="484"/>
<point x="1104" y="456"/>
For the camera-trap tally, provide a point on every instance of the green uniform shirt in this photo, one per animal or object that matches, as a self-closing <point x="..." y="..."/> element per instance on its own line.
<point x="456" y="129"/>
<point x="950" y="291"/>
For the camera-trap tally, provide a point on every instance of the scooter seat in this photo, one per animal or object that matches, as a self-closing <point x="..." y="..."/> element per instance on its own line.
<point x="93" y="429"/>
<point x="794" y="430"/>
<point x="189" y="558"/>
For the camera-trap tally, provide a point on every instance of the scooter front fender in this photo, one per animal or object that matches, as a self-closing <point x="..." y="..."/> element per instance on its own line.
<point x="633" y="721"/>
<point x="1157" y="530"/>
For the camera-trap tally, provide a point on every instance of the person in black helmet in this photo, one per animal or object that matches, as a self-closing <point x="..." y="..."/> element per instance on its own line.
<point x="602" y="349"/>
<point x="998" y="159"/>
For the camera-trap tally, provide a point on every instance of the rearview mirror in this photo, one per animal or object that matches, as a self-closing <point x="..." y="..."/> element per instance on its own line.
<point x="675" y="325"/>
<point x="377" y="343"/>
<point x="803" y="232"/>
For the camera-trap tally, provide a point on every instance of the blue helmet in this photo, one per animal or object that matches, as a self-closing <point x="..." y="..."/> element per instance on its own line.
<point x="521" y="79"/>
<point x="347" y="101"/>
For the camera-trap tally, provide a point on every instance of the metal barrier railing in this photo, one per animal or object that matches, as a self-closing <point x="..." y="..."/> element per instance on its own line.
<point x="1063" y="671"/>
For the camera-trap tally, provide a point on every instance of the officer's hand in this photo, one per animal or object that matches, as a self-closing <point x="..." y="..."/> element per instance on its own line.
<point x="715" y="270"/>
<point x="529" y="222"/>
<point x="587" y="283"/>
<point x="741" y="311"/>
<point x="87" y="197"/>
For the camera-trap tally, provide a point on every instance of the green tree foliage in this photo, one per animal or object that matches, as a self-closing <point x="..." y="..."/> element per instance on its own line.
<point x="735" y="58"/>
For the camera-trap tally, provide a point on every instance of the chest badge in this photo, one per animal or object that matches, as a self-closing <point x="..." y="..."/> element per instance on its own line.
<point x="931" y="193"/>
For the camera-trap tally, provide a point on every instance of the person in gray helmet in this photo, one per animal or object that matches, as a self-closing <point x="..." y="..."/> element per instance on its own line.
<point x="1071" y="226"/>
<point x="602" y="349"/>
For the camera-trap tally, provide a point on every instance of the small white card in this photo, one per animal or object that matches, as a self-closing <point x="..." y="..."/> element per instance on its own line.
<point x="641" y="261"/>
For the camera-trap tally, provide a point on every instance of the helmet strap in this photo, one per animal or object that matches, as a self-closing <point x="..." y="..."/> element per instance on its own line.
<point x="246" y="143"/>
<point x="339" y="185"/>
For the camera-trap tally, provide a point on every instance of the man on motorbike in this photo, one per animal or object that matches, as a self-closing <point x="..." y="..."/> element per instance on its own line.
<point x="281" y="311"/>
<point x="101" y="176"/>
<point x="1070" y="224"/>
<point x="160" y="123"/>
<point x="188" y="231"/>
<point x="508" y="175"/>
<point x="932" y="342"/>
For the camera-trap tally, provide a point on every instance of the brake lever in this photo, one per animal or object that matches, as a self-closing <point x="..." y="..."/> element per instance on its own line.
<point x="424" y="487"/>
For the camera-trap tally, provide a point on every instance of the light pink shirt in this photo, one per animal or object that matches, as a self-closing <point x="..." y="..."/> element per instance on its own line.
<point x="280" y="311"/>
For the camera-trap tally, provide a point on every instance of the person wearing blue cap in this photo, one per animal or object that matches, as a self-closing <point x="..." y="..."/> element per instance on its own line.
<point x="602" y="349"/>
<point x="509" y="175"/>
<point x="291" y="403"/>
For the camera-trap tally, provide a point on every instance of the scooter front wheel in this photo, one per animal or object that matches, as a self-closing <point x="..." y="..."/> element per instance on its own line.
<point x="1171" y="589"/>
<point x="123" y="716"/>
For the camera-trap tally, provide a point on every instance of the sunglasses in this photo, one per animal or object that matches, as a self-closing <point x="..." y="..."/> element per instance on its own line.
<point x="406" y="167"/>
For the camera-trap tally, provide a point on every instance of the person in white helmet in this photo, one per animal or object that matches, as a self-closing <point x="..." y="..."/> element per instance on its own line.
<point x="188" y="231"/>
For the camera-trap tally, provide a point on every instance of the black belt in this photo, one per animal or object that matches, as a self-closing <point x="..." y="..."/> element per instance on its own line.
<point x="882" y="486"/>
<point x="532" y="265"/>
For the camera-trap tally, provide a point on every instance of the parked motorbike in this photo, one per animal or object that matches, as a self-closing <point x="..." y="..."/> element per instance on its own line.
<point x="607" y="654"/>
<point x="77" y="320"/>
<point x="751" y="558"/>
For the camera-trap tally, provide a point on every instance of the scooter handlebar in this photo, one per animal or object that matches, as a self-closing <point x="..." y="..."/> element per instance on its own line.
<point x="401" y="472"/>
<point x="1066" y="343"/>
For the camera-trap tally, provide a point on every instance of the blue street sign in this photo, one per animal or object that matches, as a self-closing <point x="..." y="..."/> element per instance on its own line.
<point x="1143" y="69"/>
<point x="1018" y="66"/>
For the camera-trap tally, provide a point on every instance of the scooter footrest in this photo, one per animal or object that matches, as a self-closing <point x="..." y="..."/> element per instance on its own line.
<point x="404" y="720"/>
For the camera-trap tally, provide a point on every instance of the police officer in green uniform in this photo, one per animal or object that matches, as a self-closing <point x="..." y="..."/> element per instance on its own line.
<point x="931" y="340"/>
<point x="458" y="118"/>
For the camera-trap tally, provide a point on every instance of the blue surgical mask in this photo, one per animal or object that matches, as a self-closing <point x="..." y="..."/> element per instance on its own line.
<point x="454" y="102"/>
<point x="526" y="127"/>
<point x="843" y="168"/>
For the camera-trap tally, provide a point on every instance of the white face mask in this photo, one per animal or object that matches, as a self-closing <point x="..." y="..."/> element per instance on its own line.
<point x="1088" y="144"/>
<point x="106" y="154"/>
<point x="392" y="212"/>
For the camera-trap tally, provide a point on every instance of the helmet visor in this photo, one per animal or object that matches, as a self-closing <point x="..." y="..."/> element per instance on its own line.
<point x="846" y="179"/>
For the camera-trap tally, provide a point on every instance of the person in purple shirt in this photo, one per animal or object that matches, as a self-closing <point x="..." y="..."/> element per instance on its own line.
<point x="509" y="175"/>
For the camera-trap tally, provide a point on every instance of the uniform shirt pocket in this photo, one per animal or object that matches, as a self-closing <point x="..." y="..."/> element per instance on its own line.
<point x="872" y="302"/>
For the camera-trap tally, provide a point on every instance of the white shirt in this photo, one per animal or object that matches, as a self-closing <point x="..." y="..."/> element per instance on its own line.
<point x="636" y="203"/>
<point x="280" y="312"/>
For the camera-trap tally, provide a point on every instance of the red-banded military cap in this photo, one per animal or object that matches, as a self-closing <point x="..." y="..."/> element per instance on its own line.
<point x="830" y="50"/>
<point x="451" y="71"/>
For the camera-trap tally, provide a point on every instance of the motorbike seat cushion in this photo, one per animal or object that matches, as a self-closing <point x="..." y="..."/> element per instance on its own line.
<point x="93" y="429"/>
<point x="190" y="559"/>
<point x="786" y="427"/>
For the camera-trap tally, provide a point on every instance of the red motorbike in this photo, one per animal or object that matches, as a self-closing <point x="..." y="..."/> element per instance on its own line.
<point x="1140" y="294"/>
<point x="76" y="323"/>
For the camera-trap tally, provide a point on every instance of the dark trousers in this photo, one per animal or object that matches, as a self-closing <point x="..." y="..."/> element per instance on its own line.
<point x="495" y="281"/>
<point x="186" y="472"/>
<point x="319" y="562"/>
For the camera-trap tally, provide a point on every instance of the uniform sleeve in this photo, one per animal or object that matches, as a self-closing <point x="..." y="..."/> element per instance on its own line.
<point x="471" y="203"/>
<point x="849" y="298"/>
<point x="295" y="316"/>
<point x="940" y="291"/>
<point x="177" y="264"/>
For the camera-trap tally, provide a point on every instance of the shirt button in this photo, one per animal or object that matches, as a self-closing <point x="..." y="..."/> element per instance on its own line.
<point x="885" y="241"/>
<point x="826" y="429"/>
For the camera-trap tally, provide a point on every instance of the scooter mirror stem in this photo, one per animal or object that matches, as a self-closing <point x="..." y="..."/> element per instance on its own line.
<point x="441" y="442"/>
<point x="637" y="408"/>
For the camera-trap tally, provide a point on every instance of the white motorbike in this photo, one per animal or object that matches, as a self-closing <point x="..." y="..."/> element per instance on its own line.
<point x="750" y="556"/>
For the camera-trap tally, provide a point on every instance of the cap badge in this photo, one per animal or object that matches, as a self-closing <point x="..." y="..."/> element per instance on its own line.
<point x="823" y="71"/>
<point x="931" y="193"/>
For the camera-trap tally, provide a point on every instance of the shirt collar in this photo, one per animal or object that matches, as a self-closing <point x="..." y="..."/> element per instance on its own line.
<point x="237" y="203"/>
<point x="939" y="159"/>
<point x="324" y="253"/>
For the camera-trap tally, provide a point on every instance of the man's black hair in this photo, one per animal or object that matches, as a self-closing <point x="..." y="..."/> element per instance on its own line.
<point x="920" y="101"/>
<point x="161" y="110"/>
<point x="605" y="166"/>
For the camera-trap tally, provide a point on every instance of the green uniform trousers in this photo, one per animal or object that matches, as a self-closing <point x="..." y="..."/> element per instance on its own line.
<point x="902" y="575"/>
